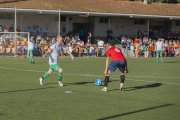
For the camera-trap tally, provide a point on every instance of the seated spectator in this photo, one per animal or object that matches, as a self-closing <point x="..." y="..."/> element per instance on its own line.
<point x="92" y="51"/>
<point x="87" y="46"/>
<point x="67" y="40"/>
<point x="23" y="42"/>
<point x="43" y="42"/>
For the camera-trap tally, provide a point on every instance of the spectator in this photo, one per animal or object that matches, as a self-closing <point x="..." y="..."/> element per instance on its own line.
<point x="132" y="54"/>
<point x="109" y="35"/>
<point x="152" y="48"/>
<point x="88" y="48"/>
<point x="145" y="47"/>
<point x="89" y="38"/>
<point x="171" y="49"/>
<point x="43" y="42"/>
<point x="176" y="48"/>
<point x="166" y="46"/>
<point x="100" y="45"/>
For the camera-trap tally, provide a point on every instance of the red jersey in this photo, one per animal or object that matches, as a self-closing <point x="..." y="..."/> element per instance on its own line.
<point x="115" y="54"/>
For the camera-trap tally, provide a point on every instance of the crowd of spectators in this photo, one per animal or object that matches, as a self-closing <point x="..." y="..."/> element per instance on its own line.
<point x="141" y="46"/>
<point x="147" y="47"/>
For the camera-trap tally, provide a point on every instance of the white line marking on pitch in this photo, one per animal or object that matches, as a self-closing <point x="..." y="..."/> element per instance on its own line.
<point x="153" y="77"/>
<point x="88" y="75"/>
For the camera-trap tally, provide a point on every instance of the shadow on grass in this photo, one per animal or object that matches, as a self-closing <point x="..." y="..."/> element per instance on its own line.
<point x="46" y="84"/>
<point x="26" y="90"/>
<point x="81" y="83"/>
<point x="134" y="112"/>
<point x="154" y="85"/>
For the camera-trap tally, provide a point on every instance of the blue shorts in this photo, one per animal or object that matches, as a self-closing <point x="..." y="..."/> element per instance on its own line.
<point x="117" y="64"/>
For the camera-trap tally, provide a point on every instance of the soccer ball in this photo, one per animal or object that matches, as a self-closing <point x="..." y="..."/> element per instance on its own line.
<point x="98" y="82"/>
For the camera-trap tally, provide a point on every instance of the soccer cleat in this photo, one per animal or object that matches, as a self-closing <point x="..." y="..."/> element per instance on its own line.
<point x="41" y="81"/>
<point x="61" y="83"/>
<point x="121" y="86"/>
<point x="104" y="89"/>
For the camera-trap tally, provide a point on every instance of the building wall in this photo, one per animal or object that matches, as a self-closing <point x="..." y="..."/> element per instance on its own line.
<point x="119" y="26"/>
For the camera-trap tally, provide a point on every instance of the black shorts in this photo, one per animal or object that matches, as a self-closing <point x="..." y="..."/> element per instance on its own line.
<point x="117" y="64"/>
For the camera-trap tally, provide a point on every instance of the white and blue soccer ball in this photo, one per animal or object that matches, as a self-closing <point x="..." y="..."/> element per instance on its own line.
<point x="98" y="82"/>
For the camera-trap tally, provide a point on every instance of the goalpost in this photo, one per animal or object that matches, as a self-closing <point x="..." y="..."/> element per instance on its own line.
<point x="14" y="43"/>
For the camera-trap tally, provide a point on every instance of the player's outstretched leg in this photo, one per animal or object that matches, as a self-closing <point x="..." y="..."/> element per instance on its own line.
<point x="106" y="81"/>
<point x="32" y="60"/>
<point x="60" y="77"/>
<point x="45" y="76"/>
<point x="122" y="79"/>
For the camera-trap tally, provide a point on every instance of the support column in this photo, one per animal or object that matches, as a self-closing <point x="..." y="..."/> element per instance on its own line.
<point x="15" y="34"/>
<point x="59" y="23"/>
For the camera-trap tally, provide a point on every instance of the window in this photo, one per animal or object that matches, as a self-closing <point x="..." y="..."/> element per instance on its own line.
<point x="139" y="22"/>
<point x="177" y="22"/>
<point x="63" y="18"/>
<point x="6" y="16"/>
<point x="103" y="20"/>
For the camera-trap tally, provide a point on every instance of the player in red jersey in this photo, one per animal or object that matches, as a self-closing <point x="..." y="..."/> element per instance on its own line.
<point x="117" y="61"/>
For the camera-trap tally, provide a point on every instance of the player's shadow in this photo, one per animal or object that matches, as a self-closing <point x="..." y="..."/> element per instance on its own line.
<point x="154" y="85"/>
<point x="80" y="83"/>
<point x="46" y="84"/>
<point x="134" y="112"/>
<point x="67" y="84"/>
<point x="26" y="90"/>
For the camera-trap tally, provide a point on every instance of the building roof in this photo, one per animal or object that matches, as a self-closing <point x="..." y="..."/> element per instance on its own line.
<point x="101" y="6"/>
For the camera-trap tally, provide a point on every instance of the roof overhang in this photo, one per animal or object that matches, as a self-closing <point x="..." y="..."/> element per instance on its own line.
<point x="39" y="11"/>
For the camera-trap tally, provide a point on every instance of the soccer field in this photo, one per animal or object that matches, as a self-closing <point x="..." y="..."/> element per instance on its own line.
<point x="152" y="91"/>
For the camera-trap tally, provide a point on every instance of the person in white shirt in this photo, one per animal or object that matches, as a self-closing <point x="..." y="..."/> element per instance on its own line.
<point x="159" y="50"/>
<point x="54" y="53"/>
<point x="31" y="43"/>
<point x="100" y="44"/>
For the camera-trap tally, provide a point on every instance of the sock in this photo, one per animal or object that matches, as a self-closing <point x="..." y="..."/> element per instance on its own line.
<point x="29" y="59"/>
<point x="60" y="76"/>
<point x="106" y="80"/>
<point x="32" y="60"/>
<point x="45" y="75"/>
<point x="122" y="78"/>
